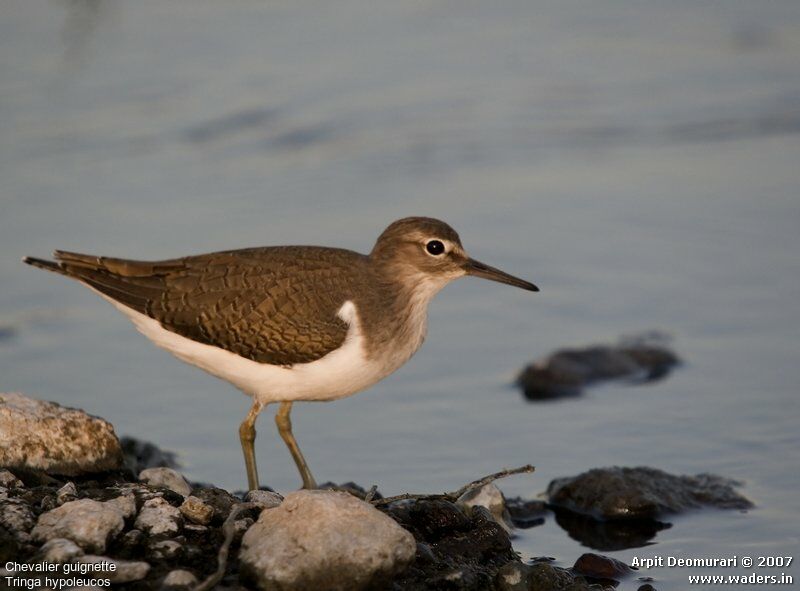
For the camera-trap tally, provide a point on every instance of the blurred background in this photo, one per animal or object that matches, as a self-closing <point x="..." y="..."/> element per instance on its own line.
<point x="639" y="161"/>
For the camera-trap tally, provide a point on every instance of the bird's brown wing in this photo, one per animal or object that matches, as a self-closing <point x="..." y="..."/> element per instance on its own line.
<point x="275" y="305"/>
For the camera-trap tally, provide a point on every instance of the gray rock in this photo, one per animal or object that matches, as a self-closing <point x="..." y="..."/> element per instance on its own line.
<point x="126" y="503"/>
<point x="8" y="480"/>
<point x="90" y="524"/>
<point x="264" y="498"/>
<point x="37" y="435"/>
<point x="642" y="493"/>
<point x="179" y="579"/>
<point x="168" y="478"/>
<point x="197" y="511"/>
<point x="326" y="541"/>
<point x="59" y="551"/>
<point x="125" y="571"/>
<point x="161" y="550"/>
<point x="159" y="518"/>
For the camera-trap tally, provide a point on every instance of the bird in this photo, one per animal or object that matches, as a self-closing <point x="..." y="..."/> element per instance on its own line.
<point x="288" y="323"/>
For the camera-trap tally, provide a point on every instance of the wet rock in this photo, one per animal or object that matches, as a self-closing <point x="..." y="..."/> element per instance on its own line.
<point x="567" y="372"/>
<point x="326" y="541"/>
<point x="450" y="542"/>
<point x="526" y="513"/>
<point x="600" y="567"/>
<point x="179" y="579"/>
<point x="37" y="435"/>
<point x="491" y="498"/>
<point x="88" y="523"/>
<point x="140" y="455"/>
<point x="196" y="511"/>
<point x="159" y="518"/>
<point x="545" y="577"/>
<point x="642" y="493"/>
<point x="125" y="571"/>
<point x="513" y="576"/>
<point x="59" y="551"/>
<point x="168" y="478"/>
<point x="264" y="498"/>
<point x="8" y="480"/>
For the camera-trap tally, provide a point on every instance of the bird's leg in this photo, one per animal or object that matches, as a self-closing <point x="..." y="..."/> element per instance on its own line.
<point x="285" y="429"/>
<point x="247" y="435"/>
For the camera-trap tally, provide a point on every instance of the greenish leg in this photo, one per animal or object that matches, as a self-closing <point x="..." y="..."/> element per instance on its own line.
<point x="247" y="435"/>
<point x="285" y="429"/>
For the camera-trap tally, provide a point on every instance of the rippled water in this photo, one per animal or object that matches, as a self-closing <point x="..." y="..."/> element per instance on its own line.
<point x="637" y="160"/>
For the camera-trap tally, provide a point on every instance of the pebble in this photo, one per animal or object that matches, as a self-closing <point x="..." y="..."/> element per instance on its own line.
<point x="47" y="437"/>
<point x="179" y="578"/>
<point x="59" y="551"/>
<point x="264" y="498"/>
<point x="600" y="567"/>
<point x="126" y="503"/>
<point x="163" y="549"/>
<point x="168" y="478"/>
<point x="158" y="517"/>
<point x="197" y="511"/>
<point x="490" y="497"/>
<point x="66" y="493"/>
<point x="8" y="480"/>
<point x="16" y="516"/>
<point x="327" y="541"/>
<point x="90" y="524"/>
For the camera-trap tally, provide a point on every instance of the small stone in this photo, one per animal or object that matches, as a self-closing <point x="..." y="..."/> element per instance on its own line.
<point x="163" y="550"/>
<point x="159" y="518"/>
<point x="59" y="551"/>
<point x="221" y="500"/>
<point x="179" y="579"/>
<point x="490" y="497"/>
<point x="130" y="543"/>
<point x="45" y="436"/>
<point x="240" y="526"/>
<point x="264" y="498"/>
<point x="90" y="524"/>
<point x="197" y="511"/>
<point x="66" y="493"/>
<point x="600" y="567"/>
<point x="125" y="571"/>
<point x="325" y="541"/>
<point x="8" y="480"/>
<point x="168" y="478"/>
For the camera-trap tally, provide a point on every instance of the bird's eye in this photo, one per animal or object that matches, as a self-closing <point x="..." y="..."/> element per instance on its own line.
<point x="435" y="247"/>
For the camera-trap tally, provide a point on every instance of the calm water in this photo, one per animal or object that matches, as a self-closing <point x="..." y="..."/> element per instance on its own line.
<point x="637" y="160"/>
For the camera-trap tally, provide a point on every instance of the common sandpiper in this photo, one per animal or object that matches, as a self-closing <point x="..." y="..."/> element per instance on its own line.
<point x="288" y="323"/>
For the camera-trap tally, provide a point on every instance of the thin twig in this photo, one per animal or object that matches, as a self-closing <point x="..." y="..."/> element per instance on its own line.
<point x="452" y="496"/>
<point x="229" y="531"/>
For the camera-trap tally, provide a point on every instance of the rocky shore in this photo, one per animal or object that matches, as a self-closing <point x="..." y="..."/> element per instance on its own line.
<point x="128" y="518"/>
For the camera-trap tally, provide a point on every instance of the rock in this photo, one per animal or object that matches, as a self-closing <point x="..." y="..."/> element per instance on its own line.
<point x="600" y="567"/>
<point x="350" y="487"/>
<point x="88" y="523"/>
<point x="452" y="545"/>
<point x="179" y="579"/>
<point x="59" y="551"/>
<point x="8" y="480"/>
<point x="325" y="541"/>
<point x="131" y="544"/>
<point x="159" y="518"/>
<point x="16" y="516"/>
<point x="66" y="493"/>
<point x="567" y="372"/>
<point x="490" y="497"/>
<point x="526" y="513"/>
<point x="140" y="455"/>
<point x="37" y="435"/>
<point x="125" y="571"/>
<point x="163" y="550"/>
<point x="264" y="498"/>
<point x="513" y="576"/>
<point x="641" y="493"/>
<point x="646" y="587"/>
<point x="545" y="577"/>
<point x="126" y="503"/>
<point x="608" y="535"/>
<point x="221" y="500"/>
<point x="197" y="511"/>
<point x="168" y="478"/>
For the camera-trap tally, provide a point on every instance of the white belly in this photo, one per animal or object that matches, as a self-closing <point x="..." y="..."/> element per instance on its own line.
<point x="340" y="373"/>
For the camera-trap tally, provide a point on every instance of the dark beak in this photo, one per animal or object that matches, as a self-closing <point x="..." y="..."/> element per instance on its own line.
<point x="478" y="269"/>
